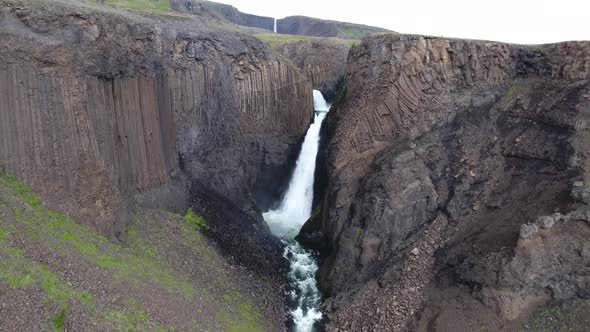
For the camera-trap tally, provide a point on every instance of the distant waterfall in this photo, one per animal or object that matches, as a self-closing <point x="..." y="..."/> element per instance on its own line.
<point x="275" y="26"/>
<point x="286" y="221"/>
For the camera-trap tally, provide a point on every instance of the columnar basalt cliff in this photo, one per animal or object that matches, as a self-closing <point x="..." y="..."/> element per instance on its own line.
<point x="457" y="173"/>
<point x="99" y="106"/>
<point x="113" y="116"/>
<point x="439" y="153"/>
<point x="323" y="61"/>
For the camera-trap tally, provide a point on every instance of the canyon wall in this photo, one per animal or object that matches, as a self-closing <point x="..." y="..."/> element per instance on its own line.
<point x="102" y="109"/>
<point x="323" y="61"/>
<point x="439" y="153"/>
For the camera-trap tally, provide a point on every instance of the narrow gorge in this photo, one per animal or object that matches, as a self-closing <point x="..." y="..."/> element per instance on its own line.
<point x="287" y="219"/>
<point x="174" y="166"/>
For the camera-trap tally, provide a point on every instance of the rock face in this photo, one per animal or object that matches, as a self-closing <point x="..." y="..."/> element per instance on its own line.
<point x="101" y="109"/>
<point x="323" y="61"/>
<point x="448" y="147"/>
<point x="230" y="13"/>
<point x="552" y="262"/>
<point x="309" y="26"/>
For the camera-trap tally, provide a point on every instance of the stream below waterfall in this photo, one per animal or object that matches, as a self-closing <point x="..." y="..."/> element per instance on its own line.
<point x="303" y="297"/>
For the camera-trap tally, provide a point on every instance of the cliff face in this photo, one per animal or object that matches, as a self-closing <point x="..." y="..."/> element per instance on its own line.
<point x="309" y="26"/>
<point x="99" y="107"/>
<point x="440" y="151"/>
<point x="323" y="61"/>
<point x="231" y="14"/>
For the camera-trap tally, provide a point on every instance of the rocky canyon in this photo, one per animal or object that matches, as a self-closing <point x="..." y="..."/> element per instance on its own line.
<point x="142" y="141"/>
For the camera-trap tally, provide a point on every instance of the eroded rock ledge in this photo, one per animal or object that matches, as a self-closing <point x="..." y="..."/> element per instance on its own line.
<point x="439" y="152"/>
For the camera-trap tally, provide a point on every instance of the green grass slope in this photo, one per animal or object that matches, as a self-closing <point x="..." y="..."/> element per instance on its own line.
<point x="58" y="275"/>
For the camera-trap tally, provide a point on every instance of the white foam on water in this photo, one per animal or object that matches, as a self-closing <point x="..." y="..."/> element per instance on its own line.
<point x="286" y="221"/>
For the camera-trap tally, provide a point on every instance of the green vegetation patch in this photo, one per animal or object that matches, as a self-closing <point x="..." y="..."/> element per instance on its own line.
<point x="195" y="220"/>
<point x="19" y="272"/>
<point x="245" y="319"/>
<point x="19" y="189"/>
<point x="275" y="40"/>
<point x="62" y="234"/>
<point x="144" y="261"/>
<point x="59" y="320"/>
<point x="134" y="320"/>
<point x="156" y="6"/>
<point x="566" y="316"/>
<point x="236" y="312"/>
<point x="353" y="32"/>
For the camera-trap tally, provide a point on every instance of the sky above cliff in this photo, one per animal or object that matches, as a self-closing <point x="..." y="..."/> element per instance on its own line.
<point x="515" y="21"/>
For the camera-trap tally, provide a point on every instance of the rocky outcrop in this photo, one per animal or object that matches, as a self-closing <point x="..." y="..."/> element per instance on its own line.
<point x="441" y="150"/>
<point x="309" y="26"/>
<point x="229" y="13"/>
<point x="323" y="61"/>
<point x="100" y="109"/>
<point x="553" y="261"/>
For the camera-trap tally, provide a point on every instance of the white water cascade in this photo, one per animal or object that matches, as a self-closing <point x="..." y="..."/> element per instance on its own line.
<point x="295" y="207"/>
<point x="286" y="221"/>
<point x="275" y="26"/>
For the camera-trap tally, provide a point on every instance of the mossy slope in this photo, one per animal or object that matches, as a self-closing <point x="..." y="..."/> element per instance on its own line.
<point x="91" y="283"/>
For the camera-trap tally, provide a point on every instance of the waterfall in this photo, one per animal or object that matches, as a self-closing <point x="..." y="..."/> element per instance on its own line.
<point x="295" y="208"/>
<point x="275" y="26"/>
<point x="286" y="221"/>
<point x="319" y="103"/>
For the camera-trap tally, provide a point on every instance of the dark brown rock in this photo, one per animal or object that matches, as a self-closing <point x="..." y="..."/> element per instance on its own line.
<point x="551" y="264"/>
<point x="309" y="26"/>
<point x="98" y="106"/>
<point x="230" y="14"/>
<point x="323" y="61"/>
<point x="488" y="135"/>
